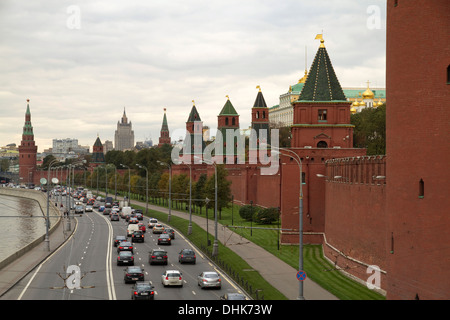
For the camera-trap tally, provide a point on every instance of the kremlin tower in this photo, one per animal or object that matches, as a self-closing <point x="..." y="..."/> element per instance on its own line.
<point x="27" y="151"/>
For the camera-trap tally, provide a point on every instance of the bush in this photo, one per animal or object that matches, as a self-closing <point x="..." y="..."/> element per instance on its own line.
<point x="246" y="212"/>
<point x="267" y="216"/>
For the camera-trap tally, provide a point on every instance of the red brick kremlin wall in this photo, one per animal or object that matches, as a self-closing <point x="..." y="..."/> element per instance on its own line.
<point x="418" y="148"/>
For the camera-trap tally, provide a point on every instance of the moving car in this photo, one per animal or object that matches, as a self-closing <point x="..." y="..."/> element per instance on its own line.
<point x="125" y="246"/>
<point x="125" y="257"/>
<point x="164" y="239"/>
<point x="233" y="296"/>
<point x="158" y="228"/>
<point x="152" y="222"/>
<point x="158" y="256"/>
<point x="172" y="278"/>
<point x="137" y="236"/>
<point x="114" y="217"/>
<point x="119" y="239"/>
<point x="133" y="274"/>
<point x="186" y="255"/>
<point x="209" y="279"/>
<point x="170" y="232"/>
<point x="142" y="227"/>
<point x="79" y="209"/>
<point x="143" y="290"/>
<point x="88" y="208"/>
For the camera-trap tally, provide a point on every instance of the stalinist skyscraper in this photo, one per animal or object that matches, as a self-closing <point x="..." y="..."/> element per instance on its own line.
<point x="124" y="136"/>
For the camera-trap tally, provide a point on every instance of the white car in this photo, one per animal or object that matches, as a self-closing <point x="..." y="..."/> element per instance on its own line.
<point x="172" y="278"/>
<point x="88" y="208"/>
<point x="152" y="222"/>
<point x="158" y="228"/>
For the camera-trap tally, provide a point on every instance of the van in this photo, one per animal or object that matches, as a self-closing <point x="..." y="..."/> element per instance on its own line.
<point x="126" y="211"/>
<point x="131" y="229"/>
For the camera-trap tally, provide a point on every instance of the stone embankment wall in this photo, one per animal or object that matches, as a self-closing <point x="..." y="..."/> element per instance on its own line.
<point x="41" y="199"/>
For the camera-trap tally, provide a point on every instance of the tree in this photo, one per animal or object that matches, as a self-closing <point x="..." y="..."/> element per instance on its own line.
<point x="223" y="189"/>
<point x="248" y="212"/>
<point x="370" y="130"/>
<point x="267" y="215"/>
<point x="198" y="191"/>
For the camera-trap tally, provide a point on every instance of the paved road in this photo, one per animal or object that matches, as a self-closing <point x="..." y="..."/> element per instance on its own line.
<point x="90" y="248"/>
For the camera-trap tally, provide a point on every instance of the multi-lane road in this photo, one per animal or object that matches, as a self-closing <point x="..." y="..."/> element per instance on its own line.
<point x="91" y="249"/>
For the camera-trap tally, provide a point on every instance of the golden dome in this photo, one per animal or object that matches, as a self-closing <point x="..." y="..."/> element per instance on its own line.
<point x="303" y="79"/>
<point x="379" y="103"/>
<point x="362" y="104"/>
<point x="353" y="110"/>
<point x="368" y="94"/>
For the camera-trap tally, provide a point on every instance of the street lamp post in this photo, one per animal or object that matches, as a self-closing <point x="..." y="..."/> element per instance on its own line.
<point x="146" y="187"/>
<point x="215" y="250"/>
<point x="129" y="183"/>
<point x="297" y="159"/>
<point x="47" y="224"/>
<point x="170" y="187"/>
<point x="190" y="196"/>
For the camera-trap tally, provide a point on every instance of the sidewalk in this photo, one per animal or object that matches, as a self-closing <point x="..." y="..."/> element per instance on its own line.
<point x="278" y="273"/>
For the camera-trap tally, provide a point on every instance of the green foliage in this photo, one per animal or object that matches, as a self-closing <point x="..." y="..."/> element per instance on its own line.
<point x="370" y="130"/>
<point x="223" y="189"/>
<point x="267" y="215"/>
<point x="247" y="212"/>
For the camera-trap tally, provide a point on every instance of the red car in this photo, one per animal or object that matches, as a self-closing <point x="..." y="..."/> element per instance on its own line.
<point x="142" y="227"/>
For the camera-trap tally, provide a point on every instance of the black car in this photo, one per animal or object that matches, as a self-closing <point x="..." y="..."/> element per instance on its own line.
<point x="119" y="239"/>
<point x="137" y="236"/>
<point x="133" y="274"/>
<point x="157" y="256"/>
<point x="139" y="214"/>
<point x="186" y="255"/>
<point x="164" y="238"/>
<point x="125" y="246"/>
<point x="143" y="290"/>
<point x="125" y="257"/>
<point x="170" y="232"/>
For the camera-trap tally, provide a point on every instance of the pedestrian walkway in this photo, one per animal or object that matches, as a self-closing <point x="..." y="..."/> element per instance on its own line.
<point x="277" y="272"/>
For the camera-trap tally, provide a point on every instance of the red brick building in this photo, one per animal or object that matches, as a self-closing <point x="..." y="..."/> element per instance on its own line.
<point x="164" y="137"/>
<point x="321" y="131"/>
<point x="27" y="152"/>
<point x="418" y="132"/>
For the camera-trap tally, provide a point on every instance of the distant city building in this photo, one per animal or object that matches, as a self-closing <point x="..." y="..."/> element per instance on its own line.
<point x="107" y="146"/>
<point x="124" y="135"/>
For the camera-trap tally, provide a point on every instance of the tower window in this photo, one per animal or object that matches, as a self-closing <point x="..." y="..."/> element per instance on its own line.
<point x="448" y="74"/>
<point x="421" y="189"/>
<point x="233" y="121"/>
<point x="322" y="144"/>
<point x="395" y="3"/>
<point x="322" y="115"/>
<point x="226" y="121"/>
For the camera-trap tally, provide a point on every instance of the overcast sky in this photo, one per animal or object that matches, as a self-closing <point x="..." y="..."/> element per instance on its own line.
<point x="81" y="62"/>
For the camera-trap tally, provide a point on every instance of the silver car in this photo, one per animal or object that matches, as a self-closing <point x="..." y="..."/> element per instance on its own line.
<point x="209" y="279"/>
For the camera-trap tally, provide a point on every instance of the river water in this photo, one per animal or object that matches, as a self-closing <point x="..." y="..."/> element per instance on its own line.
<point x="21" y="222"/>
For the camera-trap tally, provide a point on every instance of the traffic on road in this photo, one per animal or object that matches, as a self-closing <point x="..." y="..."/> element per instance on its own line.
<point x="133" y="257"/>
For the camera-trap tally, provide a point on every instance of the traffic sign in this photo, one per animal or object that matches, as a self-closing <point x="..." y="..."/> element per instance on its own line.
<point x="301" y="275"/>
